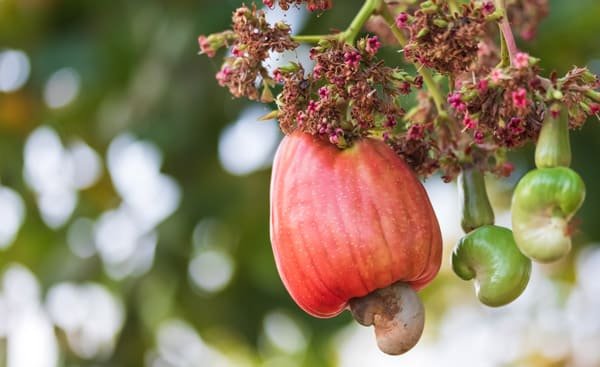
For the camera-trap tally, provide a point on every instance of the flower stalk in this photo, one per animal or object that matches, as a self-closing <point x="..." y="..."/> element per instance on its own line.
<point x="509" y="45"/>
<point x="475" y="204"/>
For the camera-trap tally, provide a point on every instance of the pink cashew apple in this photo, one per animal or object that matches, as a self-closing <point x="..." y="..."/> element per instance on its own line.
<point x="354" y="228"/>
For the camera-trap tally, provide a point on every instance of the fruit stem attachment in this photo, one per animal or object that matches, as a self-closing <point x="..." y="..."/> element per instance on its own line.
<point x="475" y="204"/>
<point x="553" y="148"/>
<point x="397" y="314"/>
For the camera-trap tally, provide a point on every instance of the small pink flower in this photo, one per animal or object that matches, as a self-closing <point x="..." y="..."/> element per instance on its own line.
<point x="301" y="118"/>
<point x="319" y="5"/>
<point x="205" y="46"/>
<point x="519" y="98"/>
<point x="479" y="137"/>
<point x="312" y="107"/>
<point x="334" y="138"/>
<point x="318" y="71"/>
<point x="595" y="108"/>
<point x="324" y="92"/>
<point x="469" y="122"/>
<point x="515" y="125"/>
<point x="483" y="49"/>
<point x="268" y="3"/>
<point x="416" y="132"/>
<point x="373" y="45"/>
<point x="390" y="122"/>
<point x="402" y="20"/>
<point x="277" y="76"/>
<point x="521" y="60"/>
<point x="488" y="8"/>
<point x="496" y="75"/>
<point x="237" y="52"/>
<point x="223" y="75"/>
<point x="482" y="85"/>
<point x="352" y="58"/>
<point x="455" y="102"/>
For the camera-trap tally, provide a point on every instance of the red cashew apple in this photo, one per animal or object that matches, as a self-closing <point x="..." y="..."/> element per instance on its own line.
<point x="354" y="228"/>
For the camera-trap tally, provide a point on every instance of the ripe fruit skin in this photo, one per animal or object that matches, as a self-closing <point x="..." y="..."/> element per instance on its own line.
<point x="347" y="222"/>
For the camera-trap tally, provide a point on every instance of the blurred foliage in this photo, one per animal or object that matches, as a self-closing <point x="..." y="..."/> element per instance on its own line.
<point x="140" y="72"/>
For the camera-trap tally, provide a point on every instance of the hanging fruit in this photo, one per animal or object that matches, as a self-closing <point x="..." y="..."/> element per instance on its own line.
<point x="547" y="198"/>
<point x="489" y="255"/>
<point x="354" y="227"/>
<point x="544" y="202"/>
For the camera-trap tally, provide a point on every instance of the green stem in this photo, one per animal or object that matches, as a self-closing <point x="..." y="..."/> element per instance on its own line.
<point x="431" y="85"/>
<point x="553" y="148"/>
<point x="313" y="38"/>
<point x="368" y="8"/>
<point x="350" y="34"/>
<point x="433" y="89"/>
<point x="475" y="204"/>
<point x="593" y="95"/>
<point x="504" y="55"/>
<point x="509" y="45"/>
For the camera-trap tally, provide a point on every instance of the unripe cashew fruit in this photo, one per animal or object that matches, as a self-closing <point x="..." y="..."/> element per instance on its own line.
<point x="544" y="202"/>
<point x="490" y="256"/>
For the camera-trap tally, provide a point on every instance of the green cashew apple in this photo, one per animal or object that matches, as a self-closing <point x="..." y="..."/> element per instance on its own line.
<point x="544" y="202"/>
<point x="490" y="256"/>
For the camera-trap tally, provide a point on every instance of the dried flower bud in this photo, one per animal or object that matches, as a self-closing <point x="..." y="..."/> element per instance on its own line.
<point x="311" y="5"/>
<point x="441" y="40"/>
<point x="505" y="102"/>
<point x="579" y="93"/>
<point x="348" y="94"/>
<point x="209" y="45"/>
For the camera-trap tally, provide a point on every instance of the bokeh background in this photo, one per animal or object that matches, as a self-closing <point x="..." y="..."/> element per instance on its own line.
<point x="134" y="206"/>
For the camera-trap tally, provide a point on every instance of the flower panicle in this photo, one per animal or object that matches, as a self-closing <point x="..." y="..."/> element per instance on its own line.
<point x="250" y="40"/>
<point x="348" y="94"/>
<point x="444" y="40"/>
